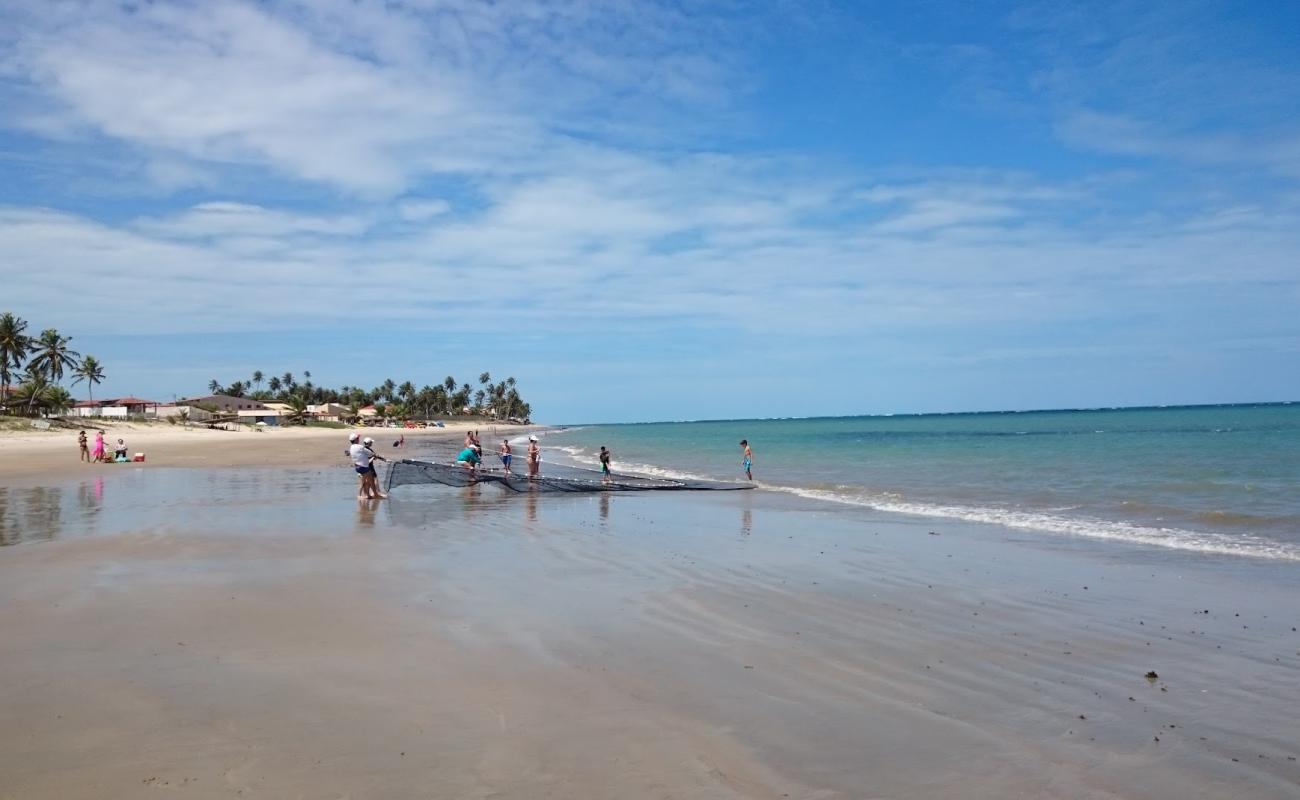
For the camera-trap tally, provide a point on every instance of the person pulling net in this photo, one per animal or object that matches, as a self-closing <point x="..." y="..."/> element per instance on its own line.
<point x="558" y="478"/>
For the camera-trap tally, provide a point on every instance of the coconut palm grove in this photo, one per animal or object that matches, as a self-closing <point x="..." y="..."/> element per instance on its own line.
<point x="34" y="369"/>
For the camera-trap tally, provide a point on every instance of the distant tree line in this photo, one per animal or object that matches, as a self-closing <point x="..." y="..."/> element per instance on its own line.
<point x="390" y="399"/>
<point x="39" y="364"/>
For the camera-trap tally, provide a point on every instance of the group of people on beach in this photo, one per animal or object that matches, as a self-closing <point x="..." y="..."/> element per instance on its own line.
<point x="362" y="453"/>
<point x="99" y="454"/>
<point x="363" y="456"/>
<point x="471" y="456"/>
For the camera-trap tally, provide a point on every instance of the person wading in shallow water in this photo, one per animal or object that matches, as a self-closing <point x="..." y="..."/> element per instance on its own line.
<point x="534" y="457"/>
<point x="605" y="474"/>
<point x="354" y="454"/>
<point x="373" y="476"/>
<point x="748" y="463"/>
<point x="506" y="455"/>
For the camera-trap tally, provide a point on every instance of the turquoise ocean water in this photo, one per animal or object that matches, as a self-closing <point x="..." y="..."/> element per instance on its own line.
<point x="1219" y="480"/>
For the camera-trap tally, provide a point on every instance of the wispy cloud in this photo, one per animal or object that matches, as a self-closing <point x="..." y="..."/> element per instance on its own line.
<point x="367" y="97"/>
<point x="574" y="163"/>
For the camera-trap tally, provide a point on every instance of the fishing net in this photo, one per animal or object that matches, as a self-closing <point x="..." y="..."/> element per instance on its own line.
<point x="555" y="478"/>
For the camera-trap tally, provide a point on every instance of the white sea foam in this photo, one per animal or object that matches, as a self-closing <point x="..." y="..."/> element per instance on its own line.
<point x="1091" y="528"/>
<point x="1050" y="521"/>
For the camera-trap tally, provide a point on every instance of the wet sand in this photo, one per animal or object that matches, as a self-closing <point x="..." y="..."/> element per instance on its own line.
<point x="258" y="633"/>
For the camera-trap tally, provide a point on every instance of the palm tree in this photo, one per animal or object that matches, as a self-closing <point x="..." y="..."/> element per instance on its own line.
<point x="235" y="389"/>
<point x="257" y="379"/>
<point x="287" y="381"/>
<point x="57" y="401"/>
<point x="53" y="355"/>
<point x="14" y="345"/>
<point x="478" y="398"/>
<point x="274" y="384"/>
<point x="214" y="386"/>
<point x="450" y="383"/>
<point x="485" y="378"/>
<point x="91" y="372"/>
<point x="32" y="390"/>
<point x="297" y="410"/>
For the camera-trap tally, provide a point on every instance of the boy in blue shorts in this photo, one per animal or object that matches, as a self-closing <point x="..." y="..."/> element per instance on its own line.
<point x="504" y="452"/>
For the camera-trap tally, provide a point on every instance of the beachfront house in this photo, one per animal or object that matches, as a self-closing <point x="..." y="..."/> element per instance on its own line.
<point x="86" y="408"/>
<point x="131" y="406"/>
<point x="329" y="412"/>
<point x="117" y="408"/>
<point x="264" y="416"/>
<point x="222" y="403"/>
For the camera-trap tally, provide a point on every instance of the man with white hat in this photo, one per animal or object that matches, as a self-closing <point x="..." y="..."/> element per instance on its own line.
<point x="534" y="457"/>
<point x="362" y="458"/>
<point x="360" y="461"/>
<point x="370" y="478"/>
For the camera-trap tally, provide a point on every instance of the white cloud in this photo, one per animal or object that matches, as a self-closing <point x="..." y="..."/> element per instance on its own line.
<point x="444" y="163"/>
<point x="420" y="210"/>
<point x="364" y="96"/>
<point x="229" y="219"/>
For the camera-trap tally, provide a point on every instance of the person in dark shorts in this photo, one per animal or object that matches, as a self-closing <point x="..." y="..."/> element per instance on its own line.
<point x="369" y="477"/>
<point x="605" y="474"/>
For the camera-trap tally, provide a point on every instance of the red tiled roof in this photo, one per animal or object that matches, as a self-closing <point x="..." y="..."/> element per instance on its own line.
<point x="131" y="401"/>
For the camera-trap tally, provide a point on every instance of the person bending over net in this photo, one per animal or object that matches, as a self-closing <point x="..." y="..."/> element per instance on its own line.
<point x="469" y="459"/>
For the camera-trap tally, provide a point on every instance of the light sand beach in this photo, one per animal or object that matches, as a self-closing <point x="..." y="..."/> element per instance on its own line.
<point x="257" y="632"/>
<point x="54" y="453"/>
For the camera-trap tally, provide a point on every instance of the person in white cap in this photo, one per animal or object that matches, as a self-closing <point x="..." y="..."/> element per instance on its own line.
<point x="371" y="477"/>
<point x="355" y="455"/>
<point x="534" y="457"/>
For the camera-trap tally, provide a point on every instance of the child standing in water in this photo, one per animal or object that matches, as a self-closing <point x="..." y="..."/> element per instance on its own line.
<point x="85" y="447"/>
<point x="748" y="463"/>
<point x="604" y="465"/>
<point x="504" y="452"/>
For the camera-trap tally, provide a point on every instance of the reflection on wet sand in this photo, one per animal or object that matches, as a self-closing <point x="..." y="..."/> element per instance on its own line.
<point x="366" y="509"/>
<point x="604" y="506"/>
<point x="746" y="521"/>
<point x="90" y="496"/>
<point x="30" y="514"/>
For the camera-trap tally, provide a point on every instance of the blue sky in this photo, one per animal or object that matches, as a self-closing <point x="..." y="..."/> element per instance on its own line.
<point x="664" y="211"/>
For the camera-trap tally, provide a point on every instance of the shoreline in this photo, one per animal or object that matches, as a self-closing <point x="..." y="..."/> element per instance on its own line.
<point x="36" y="454"/>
